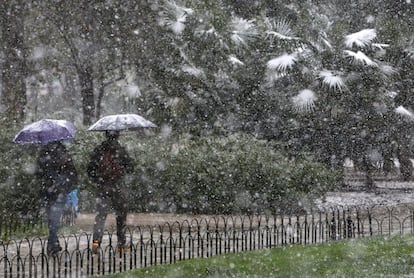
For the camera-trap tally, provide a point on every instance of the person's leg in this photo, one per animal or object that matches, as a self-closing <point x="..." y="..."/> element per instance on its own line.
<point x="54" y="214"/>
<point x="102" y="209"/>
<point x="66" y="215"/>
<point x="121" y="210"/>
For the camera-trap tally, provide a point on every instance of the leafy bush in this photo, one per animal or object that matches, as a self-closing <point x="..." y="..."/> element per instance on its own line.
<point x="17" y="203"/>
<point x="235" y="174"/>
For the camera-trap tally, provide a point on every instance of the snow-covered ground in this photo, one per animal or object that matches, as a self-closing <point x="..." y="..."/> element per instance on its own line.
<point x="334" y="199"/>
<point x="386" y="193"/>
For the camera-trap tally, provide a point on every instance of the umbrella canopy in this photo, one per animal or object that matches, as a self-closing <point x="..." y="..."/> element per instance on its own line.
<point x="121" y="122"/>
<point x="45" y="131"/>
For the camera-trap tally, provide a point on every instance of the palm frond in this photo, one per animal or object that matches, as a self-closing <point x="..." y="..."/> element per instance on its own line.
<point x="174" y="16"/>
<point x="391" y="94"/>
<point x="272" y="76"/>
<point x="202" y="31"/>
<point x="324" y="39"/>
<point x="192" y="70"/>
<point x="242" y="31"/>
<point x="282" y="63"/>
<point x="304" y="101"/>
<point x="333" y="81"/>
<point x="235" y="61"/>
<point x="388" y="70"/>
<point x="400" y="110"/>
<point x="360" y="39"/>
<point x="279" y="29"/>
<point x="380" y="46"/>
<point x="410" y="50"/>
<point x="360" y="58"/>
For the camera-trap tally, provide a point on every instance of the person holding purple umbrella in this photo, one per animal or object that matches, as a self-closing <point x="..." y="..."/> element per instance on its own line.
<point x="58" y="177"/>
<point x="54" y="169"/>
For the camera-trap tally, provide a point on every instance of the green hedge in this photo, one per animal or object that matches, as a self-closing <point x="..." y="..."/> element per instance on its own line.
<point x="235" y="174"/>
<point x="221" y="175"/>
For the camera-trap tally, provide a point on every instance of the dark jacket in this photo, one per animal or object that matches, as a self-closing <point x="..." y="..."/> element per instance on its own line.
<point x="55" y="171"/>
<point x="121" y="155"/>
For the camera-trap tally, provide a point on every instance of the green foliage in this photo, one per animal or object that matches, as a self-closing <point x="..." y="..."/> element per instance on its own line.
<point x="377" y="257"/>
<point x="234" y="174"/>
<point x="16" y="181"/>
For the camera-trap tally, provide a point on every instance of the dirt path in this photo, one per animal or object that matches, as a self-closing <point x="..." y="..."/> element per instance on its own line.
<point x="85" y="220"/>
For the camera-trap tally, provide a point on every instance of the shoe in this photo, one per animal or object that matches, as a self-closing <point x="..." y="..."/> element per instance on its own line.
<point x="123" y="248"/>
<point x="95" y="246"/>
<point x="53" y="250"/>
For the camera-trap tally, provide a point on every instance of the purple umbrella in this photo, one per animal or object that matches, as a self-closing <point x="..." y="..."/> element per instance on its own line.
<point x="45" y="131"/>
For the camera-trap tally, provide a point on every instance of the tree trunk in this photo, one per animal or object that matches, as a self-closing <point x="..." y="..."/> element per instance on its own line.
<point x="367" y="168"/>
<point x="102" y="86"/>
<point x="99" y="101"/>
<point x="406" y="167"/>
<point x="88" y="100"/>
<point x="14" y="69"/>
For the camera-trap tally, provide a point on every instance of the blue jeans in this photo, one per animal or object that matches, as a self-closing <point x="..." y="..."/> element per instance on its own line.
<point x="54" y="211"/>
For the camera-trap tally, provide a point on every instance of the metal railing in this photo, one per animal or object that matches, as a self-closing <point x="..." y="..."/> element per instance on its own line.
<point x="201" y="237"/>
<point x="12" y="225"/>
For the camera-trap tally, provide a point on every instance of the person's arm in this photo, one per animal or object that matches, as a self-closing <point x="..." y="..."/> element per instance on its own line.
<point x="65" y="172"/>
<point x="72" y="173"/>
<point x="40" y="168"/>
<point x="38" y="172"/>
<point x="43" y="176"/>
<point x="93" y="164"/>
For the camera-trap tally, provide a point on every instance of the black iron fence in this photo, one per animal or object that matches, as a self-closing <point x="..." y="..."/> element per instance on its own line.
<point x="200" y="237"/>
<point x="12" y="225"/>
<point x="15" y="225"/>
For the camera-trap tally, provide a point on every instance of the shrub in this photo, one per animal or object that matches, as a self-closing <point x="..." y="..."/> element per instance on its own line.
<point x="17" y="203"/>
<point x="235" y="174"/>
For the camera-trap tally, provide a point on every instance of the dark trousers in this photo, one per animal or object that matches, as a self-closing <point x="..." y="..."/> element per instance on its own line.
<point x="54" y="211"/>
<point x="112" y="199"/>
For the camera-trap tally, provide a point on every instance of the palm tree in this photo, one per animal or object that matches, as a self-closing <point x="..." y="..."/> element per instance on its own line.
<point x="199" y="76"/>
<point x="317" y="87"/>
<point x="339" y="92"/>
